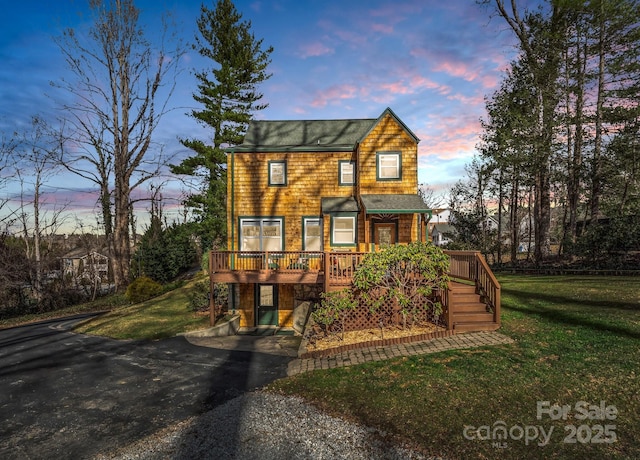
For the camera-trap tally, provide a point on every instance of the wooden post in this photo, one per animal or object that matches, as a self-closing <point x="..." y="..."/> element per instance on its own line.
<point x="327" y="271"/>
<point x="447" y="299"/>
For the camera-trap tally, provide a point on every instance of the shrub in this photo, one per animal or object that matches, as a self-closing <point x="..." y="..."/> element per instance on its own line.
<point x="405" y="274"/>
<point x="199" y="297"/>
<point x="143" y="288"/>
<point x="331" y="309"/>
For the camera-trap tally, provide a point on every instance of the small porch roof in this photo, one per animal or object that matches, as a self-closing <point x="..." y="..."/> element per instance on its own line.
<point x="394" y="204"/>
<point x="339" y="204"/>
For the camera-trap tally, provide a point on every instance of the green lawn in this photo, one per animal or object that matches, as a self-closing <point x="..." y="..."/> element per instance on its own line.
<point x="577" y="342"/>
<point x="157" y="318"/>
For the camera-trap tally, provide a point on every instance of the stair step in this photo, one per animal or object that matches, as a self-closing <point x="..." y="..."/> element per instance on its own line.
<point x="467" y="307"/>
<point x="464" y="298"/>
<point x="457" y="287"/>
<point x="473" y="327"/>
<point x="470" y="317"/>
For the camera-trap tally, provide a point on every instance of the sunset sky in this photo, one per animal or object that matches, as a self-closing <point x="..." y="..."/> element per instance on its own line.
<point x="432" y="62"/>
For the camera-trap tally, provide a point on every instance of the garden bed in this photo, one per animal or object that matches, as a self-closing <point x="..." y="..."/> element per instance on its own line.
<point x="335" y="343"/>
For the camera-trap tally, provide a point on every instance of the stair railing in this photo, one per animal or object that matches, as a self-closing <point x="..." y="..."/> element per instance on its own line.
<point x="472" y="266"/>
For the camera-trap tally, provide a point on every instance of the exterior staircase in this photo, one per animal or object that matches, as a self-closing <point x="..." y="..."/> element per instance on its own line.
<point x="468" y="311"/>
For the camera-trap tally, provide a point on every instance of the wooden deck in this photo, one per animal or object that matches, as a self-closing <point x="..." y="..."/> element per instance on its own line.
<point x="472" y="302"/>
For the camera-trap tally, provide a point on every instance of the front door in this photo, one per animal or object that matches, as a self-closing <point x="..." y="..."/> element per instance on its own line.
<point x="267" y="305"/>
<point x="384" y="234"/>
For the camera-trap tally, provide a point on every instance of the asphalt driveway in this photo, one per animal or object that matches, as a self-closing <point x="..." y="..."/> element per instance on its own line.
<point x="66" y="395"/>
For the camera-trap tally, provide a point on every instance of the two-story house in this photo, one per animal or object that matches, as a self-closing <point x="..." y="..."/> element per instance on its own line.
<point x="305" y="200"/>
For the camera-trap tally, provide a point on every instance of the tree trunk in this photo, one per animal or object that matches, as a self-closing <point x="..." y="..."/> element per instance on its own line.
<point x="596" y="185"/>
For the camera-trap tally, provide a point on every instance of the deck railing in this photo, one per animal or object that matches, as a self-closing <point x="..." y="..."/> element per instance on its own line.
<point x="338" y="268"/>
<point x="472" y="266"/>
<point x="293" y="261"/>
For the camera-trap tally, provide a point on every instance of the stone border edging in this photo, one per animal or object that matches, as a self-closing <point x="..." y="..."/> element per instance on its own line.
<point x="373" y="343"/>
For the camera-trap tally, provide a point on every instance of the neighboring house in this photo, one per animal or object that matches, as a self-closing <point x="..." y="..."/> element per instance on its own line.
<point x="80" y="264"/>
<point x="440" y="216"/>
<point x="301" y="195"/>
<point x="441" y="234"/>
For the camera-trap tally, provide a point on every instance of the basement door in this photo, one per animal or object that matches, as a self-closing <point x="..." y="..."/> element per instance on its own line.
<point x="267" y="305"/>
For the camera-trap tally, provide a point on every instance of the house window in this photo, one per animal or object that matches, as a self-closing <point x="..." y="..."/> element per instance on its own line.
<point x="278" y="173"/>
<point x="343" y="230"/>
<point x="266" y="291"/>
<point x="312" y="234"/>
<point x="261" y="234"/>
<point x="347" y="172"/>
<point x="389" y="165"/>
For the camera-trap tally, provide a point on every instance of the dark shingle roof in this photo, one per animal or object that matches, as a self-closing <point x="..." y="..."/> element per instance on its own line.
<point x="393" y="204"/>
<point x="339" y="204"/>
<point x="334" y="135"/>
<point x="309" y="135"/>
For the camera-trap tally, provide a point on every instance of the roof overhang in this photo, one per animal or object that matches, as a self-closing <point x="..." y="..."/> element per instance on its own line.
<point x="394" y="204"/>
<point x="332" y="205"/>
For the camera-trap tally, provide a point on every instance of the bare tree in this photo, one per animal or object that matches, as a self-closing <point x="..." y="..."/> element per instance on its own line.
<point x="120" y="87"/>
<point x="432" y="198"/>
<point x="7" y="147"/>
<point x="37" y="154"/>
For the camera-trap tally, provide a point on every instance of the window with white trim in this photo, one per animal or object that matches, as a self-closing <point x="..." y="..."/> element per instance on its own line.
<point x="312" y="229"/>
<point x="343" y="230"/>
<point x="347" y="172"/>
<point x="388" y="165"/>
<point x="261" y="234"/>
<point x="278" y="172"/>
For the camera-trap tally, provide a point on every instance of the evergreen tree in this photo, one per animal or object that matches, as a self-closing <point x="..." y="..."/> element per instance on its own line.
<point x="229" y="96"/>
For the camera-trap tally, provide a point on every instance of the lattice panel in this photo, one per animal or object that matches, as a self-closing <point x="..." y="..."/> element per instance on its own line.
<point x="388" y="315"/>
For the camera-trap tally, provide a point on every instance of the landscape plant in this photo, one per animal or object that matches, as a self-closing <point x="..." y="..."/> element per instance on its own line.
<point x="143" y="288"/>
<point x="405" y="275"/>
<point x="332" y="309"/>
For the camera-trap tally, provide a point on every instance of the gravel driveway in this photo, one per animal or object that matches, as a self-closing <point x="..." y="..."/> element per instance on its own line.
<point x="264" y="426"/>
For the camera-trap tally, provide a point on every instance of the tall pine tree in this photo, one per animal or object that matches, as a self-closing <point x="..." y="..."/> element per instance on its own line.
<point x="229" y="96"/>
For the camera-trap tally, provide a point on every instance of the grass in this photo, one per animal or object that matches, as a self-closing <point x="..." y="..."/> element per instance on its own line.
<point x="157" y="318"/>
<point x="576" y="340"/>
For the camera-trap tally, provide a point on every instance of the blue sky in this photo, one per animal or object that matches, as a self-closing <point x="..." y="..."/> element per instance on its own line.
<point x="431" y="61"/>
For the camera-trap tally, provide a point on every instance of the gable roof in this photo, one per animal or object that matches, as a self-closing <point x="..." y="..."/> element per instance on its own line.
<point x="443" y="228"/>
<point x="310" y="135"/>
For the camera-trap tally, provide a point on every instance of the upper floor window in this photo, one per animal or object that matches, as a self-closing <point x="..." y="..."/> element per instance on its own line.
<point x="388" y="165"/>
<point x="347" y="172"/>
<point x="278" y="172"/>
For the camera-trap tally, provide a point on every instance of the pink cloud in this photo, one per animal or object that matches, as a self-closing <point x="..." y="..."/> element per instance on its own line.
<point x="352" y="38"/>
<point x="382" y="28"/>
<point x="457" y="69"/>
<point x="314" y="50"/>
<point x="333" y="94"/>
<point x="412" y="83"/>
<point x="450" y="137"/>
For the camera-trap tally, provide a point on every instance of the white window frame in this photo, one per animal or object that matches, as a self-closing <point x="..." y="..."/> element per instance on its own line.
<point x="341" y="172"/>
<point x="382" y="170"/>
<point x="273" y="177"/>
<point x="311" y="222"/>
<point x="265" y="243"/>
<point x="335" y="231"/>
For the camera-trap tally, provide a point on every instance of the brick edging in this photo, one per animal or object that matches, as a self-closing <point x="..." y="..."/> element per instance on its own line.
<point x="375" y="343"/>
